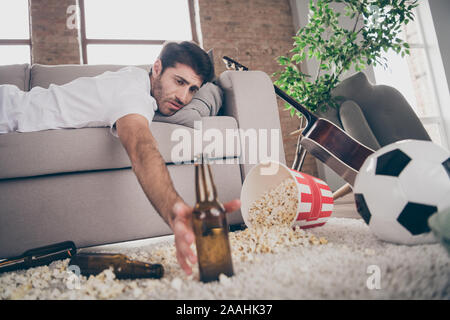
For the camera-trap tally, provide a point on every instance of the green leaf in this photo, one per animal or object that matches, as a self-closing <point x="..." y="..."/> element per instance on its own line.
<point x="340" y="49"/>
<point x="283" y="60"/>
<point x="296" y="57"/>
<point x="292" y="111"/>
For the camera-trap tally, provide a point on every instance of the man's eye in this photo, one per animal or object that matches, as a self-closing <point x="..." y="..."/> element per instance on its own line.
<point x="180" y="82"/>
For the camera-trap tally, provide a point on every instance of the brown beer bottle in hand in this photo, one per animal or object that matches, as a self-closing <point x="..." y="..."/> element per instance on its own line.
<point x="210" y="228"/>
<point x="124" y="268"/>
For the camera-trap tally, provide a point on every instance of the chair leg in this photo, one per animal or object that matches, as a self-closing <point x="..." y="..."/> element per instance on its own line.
<point x="300" y="152"/>
<point x="299" y="158"/>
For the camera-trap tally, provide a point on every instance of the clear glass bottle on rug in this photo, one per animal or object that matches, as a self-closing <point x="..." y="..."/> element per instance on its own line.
<point x="210" y="227"/>
<point x="124" y="268"/>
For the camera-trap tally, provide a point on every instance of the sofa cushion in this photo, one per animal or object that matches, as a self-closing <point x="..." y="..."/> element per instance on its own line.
<point x="74" y="150"/>
<point x="44" y="75"/>
<point x="16" y="74"/>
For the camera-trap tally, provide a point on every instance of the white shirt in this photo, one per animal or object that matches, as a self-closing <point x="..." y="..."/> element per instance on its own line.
<point x="85" y="102"/>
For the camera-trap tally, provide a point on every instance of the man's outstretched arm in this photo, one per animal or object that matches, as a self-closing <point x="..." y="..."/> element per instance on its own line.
<point x="152" y="174"/>
<point x="154" y="178"/>
<point x="147" y="164"/>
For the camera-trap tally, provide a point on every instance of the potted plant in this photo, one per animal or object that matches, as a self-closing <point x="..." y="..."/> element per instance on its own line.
<point x="375" y="28"/>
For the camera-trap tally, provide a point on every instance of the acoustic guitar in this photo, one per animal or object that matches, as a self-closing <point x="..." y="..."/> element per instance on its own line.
<point x="322" y="138"/>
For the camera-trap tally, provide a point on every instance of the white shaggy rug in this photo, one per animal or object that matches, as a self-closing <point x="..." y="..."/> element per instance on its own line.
<point x="352" y="265"/>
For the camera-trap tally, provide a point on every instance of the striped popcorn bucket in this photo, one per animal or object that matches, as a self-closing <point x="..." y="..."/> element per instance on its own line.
<point x="315" y="203"/>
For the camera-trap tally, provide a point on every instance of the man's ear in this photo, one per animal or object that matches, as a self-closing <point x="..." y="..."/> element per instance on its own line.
<point x="157" y="68"/>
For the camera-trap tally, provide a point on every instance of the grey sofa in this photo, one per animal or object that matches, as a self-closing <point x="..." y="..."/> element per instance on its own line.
<point x="78" y="185"/>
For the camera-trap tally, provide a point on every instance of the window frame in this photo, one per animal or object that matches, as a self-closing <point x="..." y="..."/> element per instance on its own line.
<point x="439" y="118"/>
<point x="21" y="42"/>
<point x="86" y="41"/>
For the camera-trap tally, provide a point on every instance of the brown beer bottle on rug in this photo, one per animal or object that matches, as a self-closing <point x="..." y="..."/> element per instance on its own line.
<point x="124" y="268"/>
<point x="210" y="227"/>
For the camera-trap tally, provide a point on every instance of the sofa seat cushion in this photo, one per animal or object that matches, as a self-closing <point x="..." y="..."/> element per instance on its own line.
<point x="75" y="150"/>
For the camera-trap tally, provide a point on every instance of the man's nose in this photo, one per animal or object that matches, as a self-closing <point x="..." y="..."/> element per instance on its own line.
<point x="184" y="96"/>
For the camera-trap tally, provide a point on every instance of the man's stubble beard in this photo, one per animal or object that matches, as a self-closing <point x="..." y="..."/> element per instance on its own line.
<point x="156" y="91"/>
<point x="159" y="95"/>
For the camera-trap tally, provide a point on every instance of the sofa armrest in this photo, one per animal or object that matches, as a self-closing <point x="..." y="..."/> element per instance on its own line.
<point x="250" y="98"/>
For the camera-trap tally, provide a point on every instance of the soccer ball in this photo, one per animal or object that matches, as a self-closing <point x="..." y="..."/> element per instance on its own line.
<point x="400" y="186"/>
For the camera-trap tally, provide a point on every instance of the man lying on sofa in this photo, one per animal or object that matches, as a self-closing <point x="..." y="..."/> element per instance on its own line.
<point x="125" y="101"/>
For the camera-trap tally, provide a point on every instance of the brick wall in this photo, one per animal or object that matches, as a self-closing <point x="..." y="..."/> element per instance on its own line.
<point x="52" y="42"/>
<point x="255" y="33"/>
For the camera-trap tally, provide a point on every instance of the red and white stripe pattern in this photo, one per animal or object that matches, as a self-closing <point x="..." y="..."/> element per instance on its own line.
<point x="316" y="201"/>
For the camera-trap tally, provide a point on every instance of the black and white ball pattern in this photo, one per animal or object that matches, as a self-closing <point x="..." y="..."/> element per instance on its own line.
<point x="400" y="186"/>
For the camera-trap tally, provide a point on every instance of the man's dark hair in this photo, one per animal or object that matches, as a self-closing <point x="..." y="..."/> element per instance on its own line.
<point x="190" y="54"/>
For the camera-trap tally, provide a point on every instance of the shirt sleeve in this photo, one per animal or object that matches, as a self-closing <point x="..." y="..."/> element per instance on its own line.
<point x="132" y="103"/>
<point x="132" y="98"/>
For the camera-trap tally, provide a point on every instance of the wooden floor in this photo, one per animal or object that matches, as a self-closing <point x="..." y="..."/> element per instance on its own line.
<point x="345" y="207"/>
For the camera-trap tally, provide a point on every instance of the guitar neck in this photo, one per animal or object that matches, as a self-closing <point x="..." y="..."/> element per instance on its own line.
<point x="323" y="139"/>
<point x="283" y="95"/>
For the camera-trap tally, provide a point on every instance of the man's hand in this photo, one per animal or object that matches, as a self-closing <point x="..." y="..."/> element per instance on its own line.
<point x="152" y="174"/>
<point x="181" y="225"/>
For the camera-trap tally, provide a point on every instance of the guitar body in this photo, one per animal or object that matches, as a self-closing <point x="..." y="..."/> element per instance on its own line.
<point x="323" y="139"/>
<point x="334" y="147"/>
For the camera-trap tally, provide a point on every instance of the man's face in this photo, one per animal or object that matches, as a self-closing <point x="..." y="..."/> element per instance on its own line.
<point x="174" y="88"/>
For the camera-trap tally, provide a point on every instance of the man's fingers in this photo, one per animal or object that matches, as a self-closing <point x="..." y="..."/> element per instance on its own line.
<point x="184" y="252"/>
<point x="185" y="249"/>
<point x="183" y="232"/>
<point x="232" y="206"/>
<point x="184" y="237"/>
<point x="183" y="264"/>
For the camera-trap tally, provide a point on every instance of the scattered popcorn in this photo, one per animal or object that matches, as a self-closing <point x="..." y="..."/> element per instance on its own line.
<point x="224" y="279"/>
<point x="271" y="232"/>
<point x="293" y="269"/>
<point x="275" y="207"/>
<point x="137" y="292"/>
<point x="176" y="284"/>
<point x="313" y="240"/>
